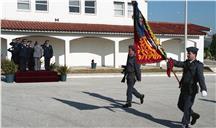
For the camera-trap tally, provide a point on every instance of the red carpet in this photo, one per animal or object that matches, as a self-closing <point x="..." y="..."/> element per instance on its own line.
<point x="36" y="76"/>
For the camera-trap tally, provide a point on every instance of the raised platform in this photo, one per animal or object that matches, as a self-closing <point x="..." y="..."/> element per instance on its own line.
<point x="36" y="76"/>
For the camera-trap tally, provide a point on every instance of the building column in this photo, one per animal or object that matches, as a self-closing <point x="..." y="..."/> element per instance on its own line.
<point x="67" y="52"/>
<point x="116" y="53"/>
<point x="9" y="40"/>
<point x="200" y="45"/>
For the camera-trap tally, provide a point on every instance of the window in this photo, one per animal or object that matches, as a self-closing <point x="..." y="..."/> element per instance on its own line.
<point x="23" y="4"/>
<point x="74" y="6"/>
<point x="130" y="10"/>
<point x="90" y="6"/>
<point x="119" y="8"/>
<point x="41" y="5"/>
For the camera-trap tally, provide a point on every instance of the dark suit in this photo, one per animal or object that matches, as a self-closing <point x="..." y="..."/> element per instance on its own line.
<point x="133" y="73"/>
<point x="30" y="58"/>
<point x="22" y="56"/>
<point x="48" y="54"/>
<point x="192" y="73"/>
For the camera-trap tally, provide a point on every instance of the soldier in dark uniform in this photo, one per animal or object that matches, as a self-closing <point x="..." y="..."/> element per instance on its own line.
<point x="48" y="54"/>
<point x="192" y="73"/>
<point x="17" y="43"/>
<point x="23" y="55"/>
<point x="133" y="73"/>
<point x="30" y="58"/>
<point x="14" y="51"/>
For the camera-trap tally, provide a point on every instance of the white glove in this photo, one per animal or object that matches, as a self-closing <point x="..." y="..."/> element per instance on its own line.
<point x="204" y="93"/>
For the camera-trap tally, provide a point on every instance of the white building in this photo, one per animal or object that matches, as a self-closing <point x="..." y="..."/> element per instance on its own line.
<point x="82" y="30"/>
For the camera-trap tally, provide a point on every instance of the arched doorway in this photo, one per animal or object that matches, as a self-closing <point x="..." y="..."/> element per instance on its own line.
<point x="83" y="50"/>
<point x="174" y="48"/>
<point x="123" y="50"/>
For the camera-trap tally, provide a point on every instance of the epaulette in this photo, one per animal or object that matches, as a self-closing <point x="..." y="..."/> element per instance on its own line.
<point x="199" y="62"/>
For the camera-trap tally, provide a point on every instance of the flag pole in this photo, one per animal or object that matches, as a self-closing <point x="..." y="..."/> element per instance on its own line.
<point x="186" y="28"/>
<point x="185" y="39"/>
<point x="176" y="78"/>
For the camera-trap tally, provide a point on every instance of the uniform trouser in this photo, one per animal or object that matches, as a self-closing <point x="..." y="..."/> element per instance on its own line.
<point x="16" y="60"/>
<point x="47" y="63"/>
<point x="31" y="64"/>
<point x="37" y="65"/>
<point x="185" y="103"/>
<point x="131" y="90"/>
<point x="22" y="63"/>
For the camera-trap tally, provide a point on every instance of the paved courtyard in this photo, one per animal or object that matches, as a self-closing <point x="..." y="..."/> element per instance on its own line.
<point x="96" y="102"/>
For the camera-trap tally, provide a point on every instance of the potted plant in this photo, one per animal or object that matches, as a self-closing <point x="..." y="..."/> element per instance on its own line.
<point x="53" y="67"/>
<point x="63" y="70"/>
<point x="9" y="68"/>
<point x="93" y="64"/>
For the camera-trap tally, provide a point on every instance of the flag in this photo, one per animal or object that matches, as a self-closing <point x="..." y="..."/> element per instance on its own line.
<point x="146" y="45"/>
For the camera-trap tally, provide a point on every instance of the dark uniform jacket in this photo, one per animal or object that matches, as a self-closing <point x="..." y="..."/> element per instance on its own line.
<point x="14" y="51"/>
<point x="23" y="51"/>
<point x="192" y="73"/>
<point x="133" y="69"/>
<point x="48" y="51"/>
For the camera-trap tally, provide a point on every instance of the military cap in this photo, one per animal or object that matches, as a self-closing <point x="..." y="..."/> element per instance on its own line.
<point x="192" y="49"/>
<point x="131" y="47"/>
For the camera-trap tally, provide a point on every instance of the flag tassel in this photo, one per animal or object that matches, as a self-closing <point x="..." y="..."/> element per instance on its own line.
<point x="170" y="65"/>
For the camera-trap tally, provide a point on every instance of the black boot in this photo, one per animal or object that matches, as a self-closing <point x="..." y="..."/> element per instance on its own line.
<point x="127" y="105"/>
<point x="185" y="126"/>
<point x="195" y="116"/>
<point x="142" y="99"/>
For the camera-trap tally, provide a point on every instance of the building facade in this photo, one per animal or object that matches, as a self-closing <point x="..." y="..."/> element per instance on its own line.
<point x="82" y="30"/>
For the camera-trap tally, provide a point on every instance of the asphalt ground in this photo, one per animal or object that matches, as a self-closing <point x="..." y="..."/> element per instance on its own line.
<point x="96" y="102"/>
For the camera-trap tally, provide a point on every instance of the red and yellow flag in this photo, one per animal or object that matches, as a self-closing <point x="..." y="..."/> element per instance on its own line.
<point x="146" y="44"/>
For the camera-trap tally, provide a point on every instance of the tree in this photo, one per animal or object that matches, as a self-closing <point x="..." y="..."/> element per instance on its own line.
<point x="213" y="46"/>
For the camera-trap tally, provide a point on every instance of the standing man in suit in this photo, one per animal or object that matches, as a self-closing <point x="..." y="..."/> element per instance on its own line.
<point x="30" y="58"/>
<point x="23" y="55"/>
<point x="48" y="54"/>
<point x="192" y="73"/>
<point x="133" y="73"/>
<point x="37" y="54"/>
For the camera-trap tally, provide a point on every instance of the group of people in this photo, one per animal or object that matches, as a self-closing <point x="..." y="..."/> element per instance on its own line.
<point x="27" y="54"/>
<point x="192" y="74"/>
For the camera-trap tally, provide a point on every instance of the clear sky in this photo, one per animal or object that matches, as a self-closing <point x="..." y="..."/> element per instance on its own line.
<point x="199" y="12"/>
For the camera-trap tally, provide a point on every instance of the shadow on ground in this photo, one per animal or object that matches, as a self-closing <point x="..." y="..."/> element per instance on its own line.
<point x="83" y="106"/>
<point x="207" y="100"/>
<point x="115" y="104"/>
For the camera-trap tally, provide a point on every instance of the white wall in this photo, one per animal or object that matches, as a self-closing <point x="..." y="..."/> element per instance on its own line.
<point x="60" y="9"/>
<point x="83" y="50"/>
<point x="199" y="43"/>
<point x="175" y="47"/>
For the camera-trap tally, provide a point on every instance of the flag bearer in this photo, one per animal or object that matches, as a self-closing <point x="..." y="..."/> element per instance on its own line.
<point x="192" y="73"/>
